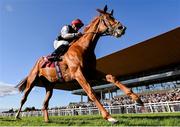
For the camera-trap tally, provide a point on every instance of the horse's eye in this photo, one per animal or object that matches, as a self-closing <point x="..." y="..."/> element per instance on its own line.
<point x="111" y="17"/>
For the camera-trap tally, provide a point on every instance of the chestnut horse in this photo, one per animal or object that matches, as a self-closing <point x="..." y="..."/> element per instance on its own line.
<point x="79" y="63"/>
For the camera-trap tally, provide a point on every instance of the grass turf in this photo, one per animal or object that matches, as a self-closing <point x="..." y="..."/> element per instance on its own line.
<point x="156" y="119"/>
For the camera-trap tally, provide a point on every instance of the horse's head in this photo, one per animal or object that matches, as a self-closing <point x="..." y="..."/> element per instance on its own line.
<point x="109" y="25"/>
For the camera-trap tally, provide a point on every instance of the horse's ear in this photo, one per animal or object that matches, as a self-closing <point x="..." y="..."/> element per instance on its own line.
<point x="105" y="8"/>
<point x="100" y="11"/>
<point x="112" y="12"/>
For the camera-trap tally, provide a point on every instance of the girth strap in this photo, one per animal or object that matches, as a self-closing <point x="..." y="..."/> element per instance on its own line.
<point x="58" y="71"/>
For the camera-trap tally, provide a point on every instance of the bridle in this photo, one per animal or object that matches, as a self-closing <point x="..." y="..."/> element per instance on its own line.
<point x="110" y="30"/>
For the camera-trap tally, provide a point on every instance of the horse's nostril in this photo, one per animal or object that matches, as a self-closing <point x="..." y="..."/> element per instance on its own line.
<point x="120" y="27"/>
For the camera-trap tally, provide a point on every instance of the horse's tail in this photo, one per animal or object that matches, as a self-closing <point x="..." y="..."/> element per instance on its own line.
<point x="27" y="82"/>
<point x="22" y="85"/>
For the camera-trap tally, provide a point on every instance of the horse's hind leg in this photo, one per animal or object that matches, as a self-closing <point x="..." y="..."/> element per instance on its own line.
<point x="29" y="85"/>
<point x="23" y="100"/>
<point x="126" y="90"/>
<point x="49" y="92"/>
<point x="90" y="92"/>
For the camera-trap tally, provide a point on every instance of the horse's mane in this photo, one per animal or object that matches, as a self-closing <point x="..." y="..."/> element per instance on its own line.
<point x="88" y="26"/>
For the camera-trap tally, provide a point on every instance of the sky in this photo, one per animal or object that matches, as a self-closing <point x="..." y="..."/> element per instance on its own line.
<point x="29" y="27"/>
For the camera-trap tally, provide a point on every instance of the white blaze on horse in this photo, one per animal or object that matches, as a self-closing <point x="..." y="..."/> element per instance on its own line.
<point x="79" y="63"/>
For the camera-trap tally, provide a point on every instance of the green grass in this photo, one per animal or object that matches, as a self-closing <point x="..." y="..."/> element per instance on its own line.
<point x="160" y="119"/>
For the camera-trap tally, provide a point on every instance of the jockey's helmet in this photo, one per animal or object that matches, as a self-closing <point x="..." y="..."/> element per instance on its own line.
<point x="77" y="23"/>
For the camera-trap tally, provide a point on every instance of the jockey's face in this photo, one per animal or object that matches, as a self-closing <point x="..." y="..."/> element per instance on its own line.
<point x="76" y="27"/>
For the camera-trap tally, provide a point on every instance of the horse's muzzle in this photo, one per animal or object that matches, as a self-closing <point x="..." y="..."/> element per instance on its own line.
<point x="124" y="29"/>
<point x="119" y="31"/>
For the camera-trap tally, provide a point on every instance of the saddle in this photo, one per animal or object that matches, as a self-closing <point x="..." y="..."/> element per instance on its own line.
<point x="51" y="70"/>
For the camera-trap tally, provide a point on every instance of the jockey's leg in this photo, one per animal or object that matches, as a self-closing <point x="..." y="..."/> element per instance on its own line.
<point x="61" y="50"/>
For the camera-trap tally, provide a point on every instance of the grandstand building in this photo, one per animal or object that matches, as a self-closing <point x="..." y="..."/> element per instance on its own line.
<point x="153" y="63"/>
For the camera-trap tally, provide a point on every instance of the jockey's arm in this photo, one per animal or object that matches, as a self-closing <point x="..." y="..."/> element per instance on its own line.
<point x="65" y="33"/>
<point x="71" y="43"/>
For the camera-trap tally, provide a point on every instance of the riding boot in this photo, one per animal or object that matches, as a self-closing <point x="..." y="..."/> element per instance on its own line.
<point x="58" y="53"/>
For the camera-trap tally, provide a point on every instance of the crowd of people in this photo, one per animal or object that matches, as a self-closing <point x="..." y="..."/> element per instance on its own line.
<point x="152" y="97"/>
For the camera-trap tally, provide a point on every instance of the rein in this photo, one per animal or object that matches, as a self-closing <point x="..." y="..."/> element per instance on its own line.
<point x="95" y="33"/>
<point x="89" y="32"/>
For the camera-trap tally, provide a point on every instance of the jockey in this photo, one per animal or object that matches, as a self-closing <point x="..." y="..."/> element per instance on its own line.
<point x="67" y="35"/>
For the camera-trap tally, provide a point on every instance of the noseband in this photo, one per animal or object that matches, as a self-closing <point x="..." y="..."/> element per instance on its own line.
<point x="111" y="29"/>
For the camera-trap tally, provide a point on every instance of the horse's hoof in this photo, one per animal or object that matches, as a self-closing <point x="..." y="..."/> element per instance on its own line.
<point x="138" y="102"/>
<point x="112" y="120"/>
<point x="47" y="121"/>
<point x="17" y="118"/>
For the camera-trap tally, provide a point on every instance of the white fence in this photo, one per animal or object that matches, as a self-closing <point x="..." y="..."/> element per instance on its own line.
<point x="173" y="106"/>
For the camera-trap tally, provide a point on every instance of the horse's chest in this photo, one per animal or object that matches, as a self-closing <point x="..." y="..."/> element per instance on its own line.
<point x="89" y="61"/>
<point x="89" y="65"/>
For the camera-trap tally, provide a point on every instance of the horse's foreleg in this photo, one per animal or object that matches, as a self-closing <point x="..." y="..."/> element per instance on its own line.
<point x="91" y="94"/>
<point x="49" y="92"/>
<point x="26" y="93"/>
<point x="126" y="90"/>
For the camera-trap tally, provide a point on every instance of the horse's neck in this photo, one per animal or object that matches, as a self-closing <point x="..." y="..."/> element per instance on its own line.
<point x="90" y="38"/>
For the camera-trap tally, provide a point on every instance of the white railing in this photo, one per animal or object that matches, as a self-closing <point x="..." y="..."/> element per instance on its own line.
<point x="172" y="106"/>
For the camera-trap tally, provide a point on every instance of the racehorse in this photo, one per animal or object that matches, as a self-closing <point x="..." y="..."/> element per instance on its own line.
<point x="78" y="63"/>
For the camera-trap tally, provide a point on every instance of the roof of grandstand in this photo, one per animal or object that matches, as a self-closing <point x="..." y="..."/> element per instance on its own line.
<point x="152" y="55"/>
